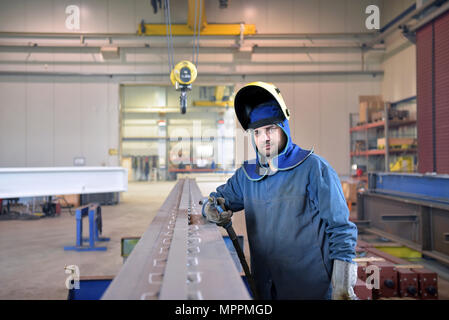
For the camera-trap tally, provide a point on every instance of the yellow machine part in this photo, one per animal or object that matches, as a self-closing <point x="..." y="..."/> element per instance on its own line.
<point x="205" y="28"/>
<point x="404" y="164"/>
<point x="219" y="92"/>
<point x="401" y="252"/>
<point x="175" y="73"/>
<point x="207" y="103"/>
<point x="191" y="14"/>
<point x="208" y="30"/>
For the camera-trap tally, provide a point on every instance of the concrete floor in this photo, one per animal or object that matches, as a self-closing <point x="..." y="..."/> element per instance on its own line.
<point x="32" y="258"/>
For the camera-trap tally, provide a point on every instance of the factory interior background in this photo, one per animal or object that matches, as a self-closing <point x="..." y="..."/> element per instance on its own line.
<point x="86" y="84"/>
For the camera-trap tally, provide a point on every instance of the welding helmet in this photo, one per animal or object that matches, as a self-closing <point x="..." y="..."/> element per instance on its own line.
<point x="260" y="94"/>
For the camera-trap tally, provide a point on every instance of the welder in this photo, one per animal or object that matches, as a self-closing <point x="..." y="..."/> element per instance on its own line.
<point x="302" y="244"/>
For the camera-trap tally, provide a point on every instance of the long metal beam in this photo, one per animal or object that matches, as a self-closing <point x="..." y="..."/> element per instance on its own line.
<point x="399" y="23"/>
<point x="372" y="73"/>
<point x="181" y="256"/>
<point x="258" y="36"/>
<point x="36" y="182"/>
<point x="153" y="48"/>
<point x="435" y="14"/>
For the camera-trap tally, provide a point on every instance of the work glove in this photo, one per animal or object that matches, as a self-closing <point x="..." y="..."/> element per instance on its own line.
<point x="212" y="214"/>
<point x="344" y="277"/>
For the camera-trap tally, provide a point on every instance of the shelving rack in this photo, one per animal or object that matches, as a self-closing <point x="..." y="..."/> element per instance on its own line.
<point x="370" y="155"/>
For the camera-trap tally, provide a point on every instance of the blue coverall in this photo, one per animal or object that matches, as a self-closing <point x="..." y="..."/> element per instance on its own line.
<point x="297" y="222"/>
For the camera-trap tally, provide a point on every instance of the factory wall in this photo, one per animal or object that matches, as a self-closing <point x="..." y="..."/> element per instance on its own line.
<point x="399" y="61"/>
<point x="49" y="120"/>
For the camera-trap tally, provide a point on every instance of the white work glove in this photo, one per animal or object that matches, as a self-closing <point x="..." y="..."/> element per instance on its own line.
<point x="213" y="215"/>
<point x="344" y="278"/>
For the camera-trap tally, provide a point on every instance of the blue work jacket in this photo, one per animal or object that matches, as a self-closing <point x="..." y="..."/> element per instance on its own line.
<point x="297" y="224"/>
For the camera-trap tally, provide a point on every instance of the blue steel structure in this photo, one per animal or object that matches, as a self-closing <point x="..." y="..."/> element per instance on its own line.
<point x="429" y="187"/>
<point x="93" y="212"/>
<point x="90" y="289"/>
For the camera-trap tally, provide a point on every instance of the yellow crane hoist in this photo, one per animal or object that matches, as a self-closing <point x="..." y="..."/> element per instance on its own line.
<point x="182" y="76"/>
<point x="184" y="73"/>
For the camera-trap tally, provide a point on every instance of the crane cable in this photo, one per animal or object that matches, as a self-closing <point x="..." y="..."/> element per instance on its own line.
<point x="196" y="35"/>
<point x="169" y="37"/>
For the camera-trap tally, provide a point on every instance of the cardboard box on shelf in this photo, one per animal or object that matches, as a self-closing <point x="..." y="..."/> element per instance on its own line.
<point x="397" y="143"/>
<point x="378" y="116"/>
<point x="363" y="112"/>
<point x="359" y="145"/>
<point x="369" y="105"/>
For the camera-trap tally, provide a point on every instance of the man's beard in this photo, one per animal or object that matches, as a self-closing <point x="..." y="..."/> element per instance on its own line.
<point x="267" y="155"/>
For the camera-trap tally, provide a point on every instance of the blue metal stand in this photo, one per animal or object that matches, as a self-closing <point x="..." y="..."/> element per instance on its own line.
<point x="93" y="211"/>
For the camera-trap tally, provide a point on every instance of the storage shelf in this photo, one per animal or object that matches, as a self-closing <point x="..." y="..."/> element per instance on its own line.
<point x="379" y="152"/>
<point x="373" y="152"/>
<point x="379" y="124"/>
<point x="367" y="139"/>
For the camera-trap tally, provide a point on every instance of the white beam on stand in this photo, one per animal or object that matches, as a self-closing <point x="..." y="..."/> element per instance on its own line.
<point x="37" y="182"/>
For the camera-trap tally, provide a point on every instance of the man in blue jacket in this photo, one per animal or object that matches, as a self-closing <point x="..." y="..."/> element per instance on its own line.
<point x="301" y="241"/>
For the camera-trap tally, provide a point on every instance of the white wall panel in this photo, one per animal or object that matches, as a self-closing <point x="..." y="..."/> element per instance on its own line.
<point x="305" y="16"/>
<point x="113" y="122"/>
<point x="94" y="15"/>
<point x="400" y="69"/>
<point x="121" y="16"/>
<point x="13" y="15"/>
<point x="306" y="113"/>
<point x="328" y="10"/>
<point x="38" y="16"/>
<point x="334" y="124"/>
<point x="67" y="121"/>
<point x="13" y="122"/>
<point x="40" y="123"/>
<point x="94" y="135"/>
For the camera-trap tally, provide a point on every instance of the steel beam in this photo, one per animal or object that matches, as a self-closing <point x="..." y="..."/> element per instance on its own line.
<point x="181" y="256"/>
<point x="35" y="182"/>
<point x="204" y="75"/>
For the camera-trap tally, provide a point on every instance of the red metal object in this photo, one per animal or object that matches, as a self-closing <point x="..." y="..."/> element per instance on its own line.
<point x="361" y="272"/>
<point x="361" y="290"/>
<point x="57" y="208"/>
<point x="388" y="280"/>
<point x="441" y="69"/>
<point x="432" y="52"/>
<point x="363" y="244"/>
<point x="424" y="97"/>
<point x="408" y="283"/>
<point x="427" y="283"/>
<point x="418" y="283"/>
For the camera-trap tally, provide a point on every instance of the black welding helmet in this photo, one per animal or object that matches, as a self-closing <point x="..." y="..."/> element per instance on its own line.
<point x="257" y="94"/>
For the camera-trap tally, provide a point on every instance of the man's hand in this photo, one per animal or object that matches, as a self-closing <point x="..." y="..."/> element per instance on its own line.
<point x="344" y="277"/>
<point x="212" y="214"/>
